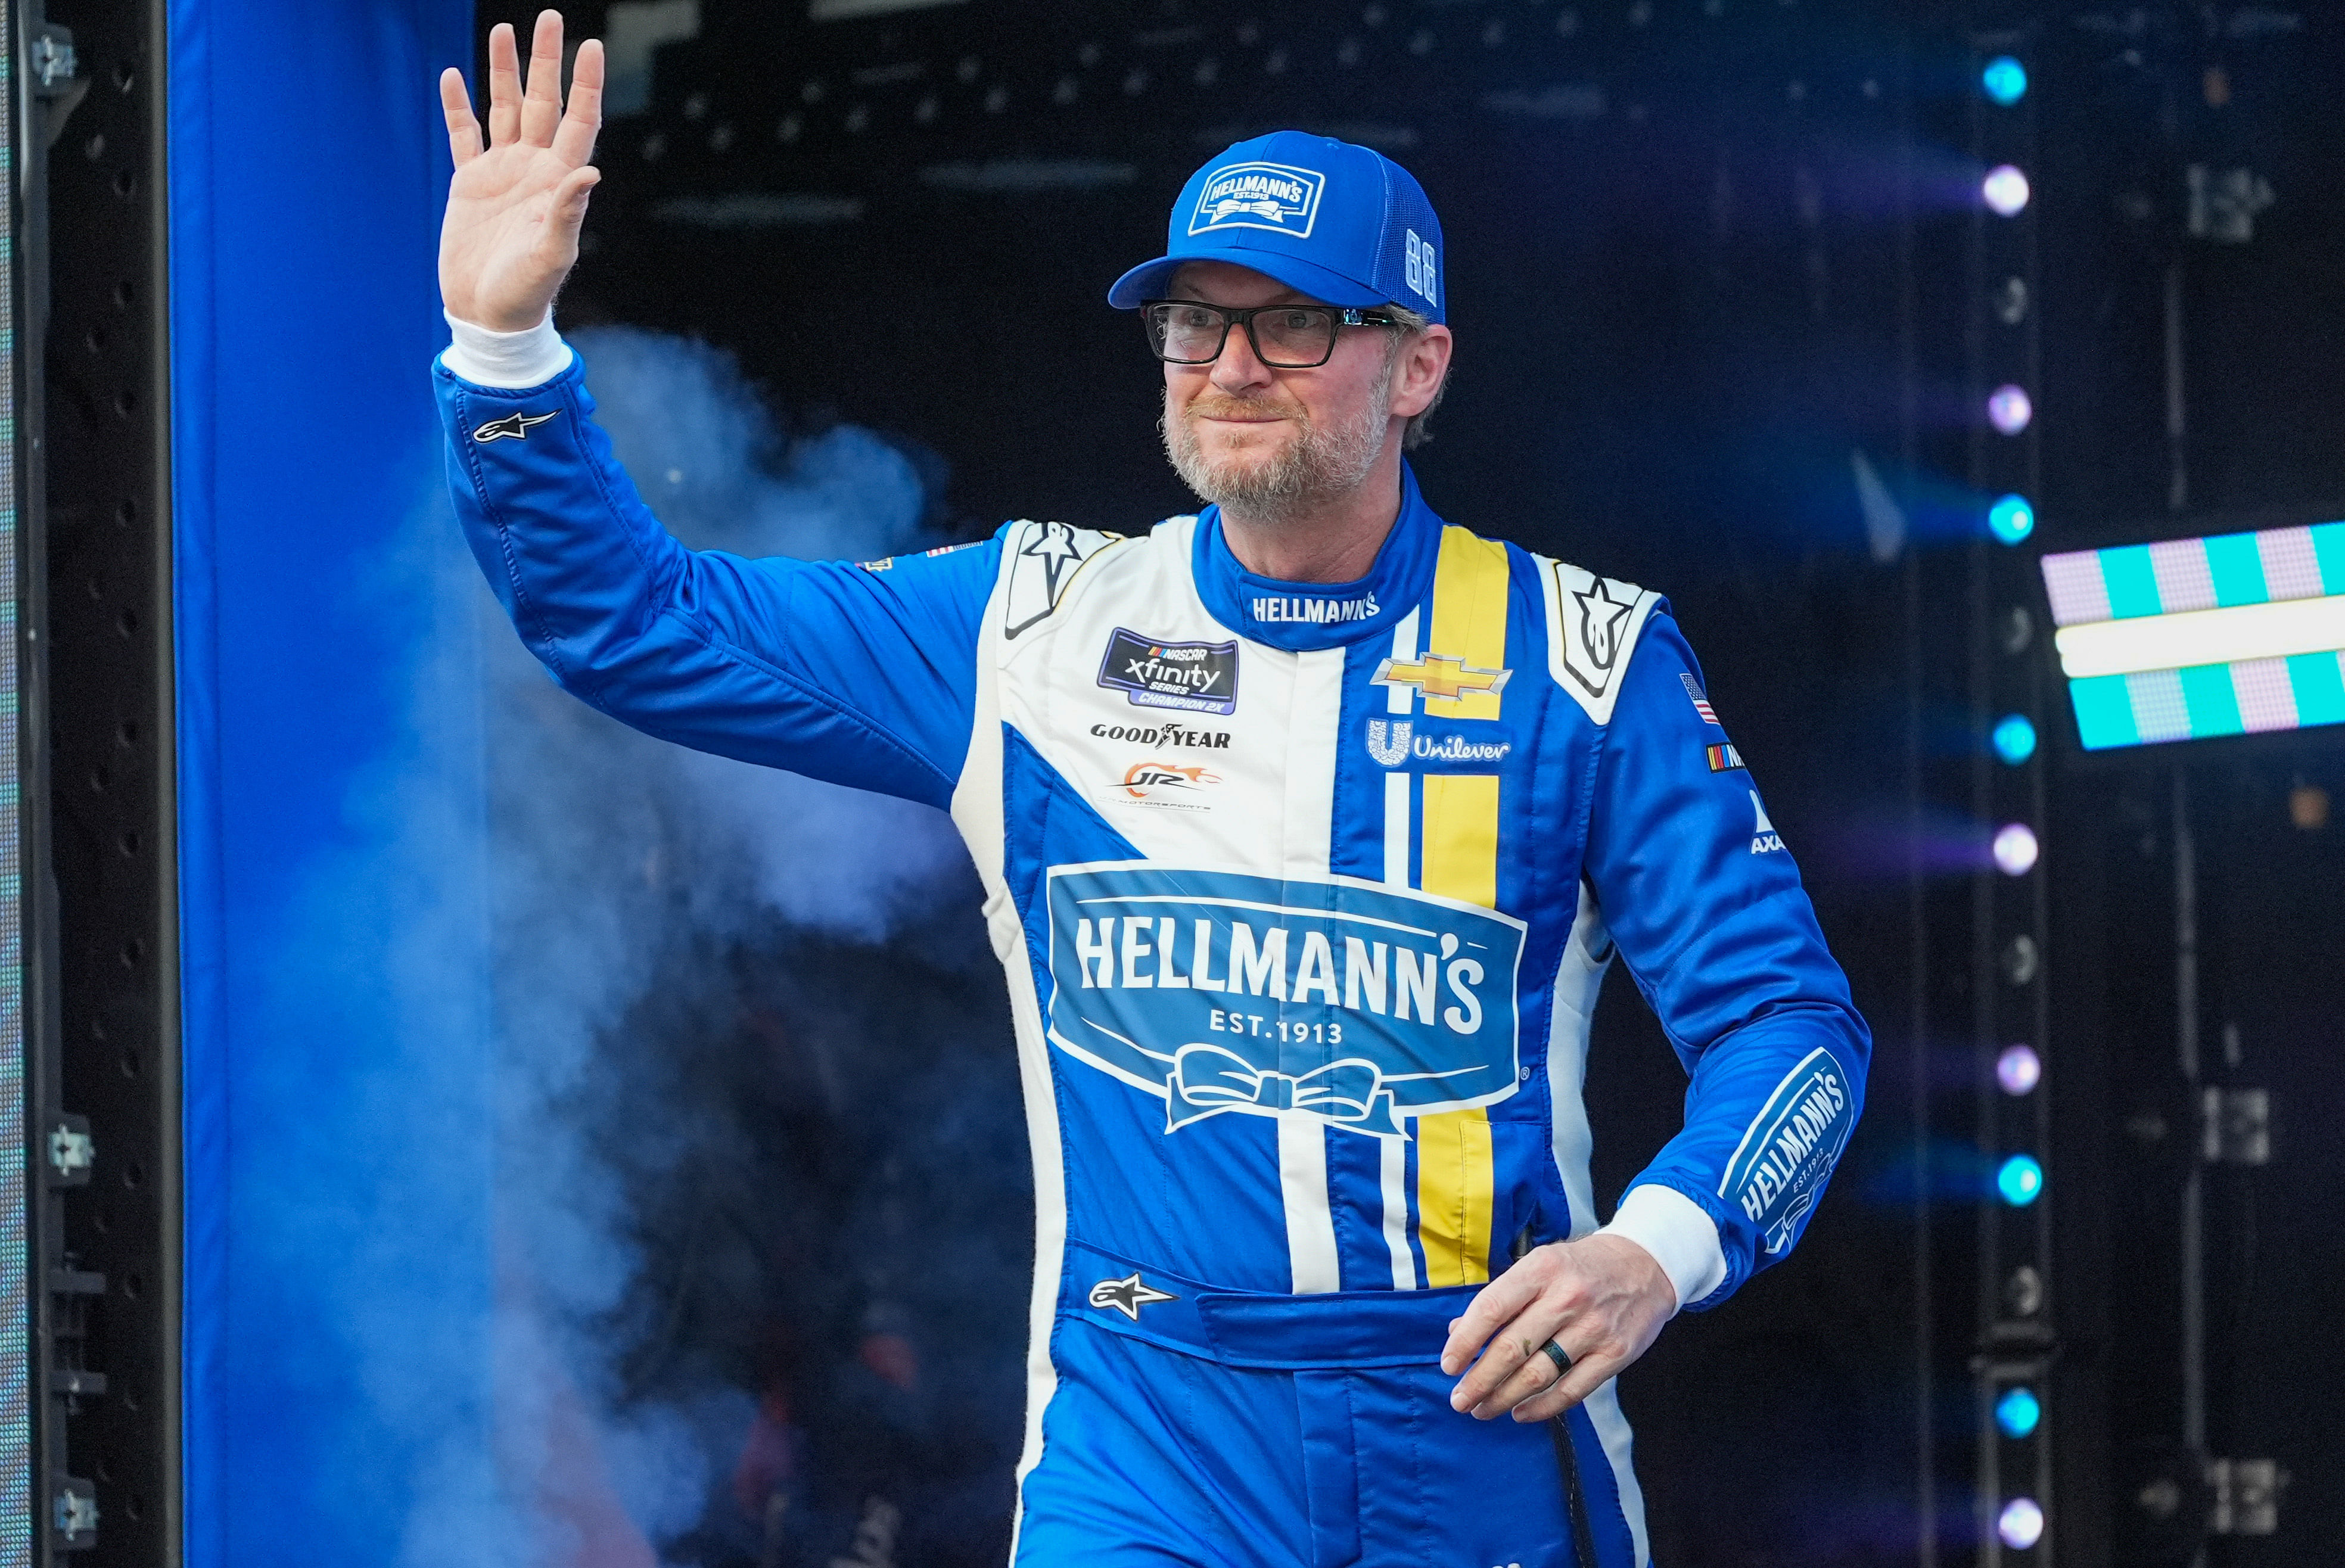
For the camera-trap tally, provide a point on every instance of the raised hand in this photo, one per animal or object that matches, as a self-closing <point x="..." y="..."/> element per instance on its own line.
<point x="511" y="234"/>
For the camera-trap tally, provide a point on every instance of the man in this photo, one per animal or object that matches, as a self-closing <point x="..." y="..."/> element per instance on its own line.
<point x="1308" y="825"/>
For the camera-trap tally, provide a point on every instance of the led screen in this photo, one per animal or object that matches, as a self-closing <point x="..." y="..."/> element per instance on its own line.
<point x="2187" y="638"/>
<point x="15" y="1338"/>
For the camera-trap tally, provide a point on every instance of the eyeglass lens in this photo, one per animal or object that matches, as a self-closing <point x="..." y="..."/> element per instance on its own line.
<point x="1288" y="337"/>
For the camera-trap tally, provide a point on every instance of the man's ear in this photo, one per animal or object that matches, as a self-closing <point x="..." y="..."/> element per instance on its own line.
<point x="1423" y="366"/>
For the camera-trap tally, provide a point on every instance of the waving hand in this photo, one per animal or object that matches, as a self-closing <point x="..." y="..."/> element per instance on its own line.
<point x="511" y="234"/>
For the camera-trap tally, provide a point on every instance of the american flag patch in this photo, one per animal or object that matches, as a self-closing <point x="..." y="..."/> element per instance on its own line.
<point x="1722" y="758"/>
<point x="1701" y="702"/>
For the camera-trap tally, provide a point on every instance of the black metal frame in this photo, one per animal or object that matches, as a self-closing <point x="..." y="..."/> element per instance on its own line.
<point x="1233" y="315"/>
<point x="109" y="1235"/>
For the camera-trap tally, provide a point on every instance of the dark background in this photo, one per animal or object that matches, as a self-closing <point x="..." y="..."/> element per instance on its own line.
<point x="1709" y="260"/>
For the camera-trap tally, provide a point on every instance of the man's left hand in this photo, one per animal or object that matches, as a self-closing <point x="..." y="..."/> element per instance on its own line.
<point x="1602" y="1298"/>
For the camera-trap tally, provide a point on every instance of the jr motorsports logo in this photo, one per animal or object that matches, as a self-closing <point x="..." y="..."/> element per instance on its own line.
<point x="1273" y="196"/>
<point x="1216" y="991"/>
<point x="1201" y="677"/>
<point x="1776" y="1174"/>
<point x="1155" y="782"/>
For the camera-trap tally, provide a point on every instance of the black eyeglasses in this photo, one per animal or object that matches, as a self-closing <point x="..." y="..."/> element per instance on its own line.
<point x="1285" y="336"/>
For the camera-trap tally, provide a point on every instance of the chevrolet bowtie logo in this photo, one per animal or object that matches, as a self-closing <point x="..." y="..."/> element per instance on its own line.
<point x="511" y="427"/>
<point x="1439" y="675"/>
<point x="1128" y="1295"/>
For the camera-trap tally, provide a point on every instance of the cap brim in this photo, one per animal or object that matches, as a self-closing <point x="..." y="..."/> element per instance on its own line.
<point x="1150" y="280"/>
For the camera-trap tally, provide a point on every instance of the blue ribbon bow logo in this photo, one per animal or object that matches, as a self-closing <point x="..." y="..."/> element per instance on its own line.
<point x="1209" y="1077"/>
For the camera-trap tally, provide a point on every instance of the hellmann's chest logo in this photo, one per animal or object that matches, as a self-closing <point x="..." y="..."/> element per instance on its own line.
<point x="1224" y="992"/>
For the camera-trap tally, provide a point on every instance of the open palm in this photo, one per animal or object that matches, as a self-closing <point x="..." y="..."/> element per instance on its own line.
<point x="511" y="234"/>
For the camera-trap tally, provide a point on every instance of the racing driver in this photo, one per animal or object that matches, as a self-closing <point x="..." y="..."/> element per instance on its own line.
<point x="1308" y="826"/>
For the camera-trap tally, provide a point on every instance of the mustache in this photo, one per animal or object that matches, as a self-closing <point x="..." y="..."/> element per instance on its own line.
<point x="1215" y="406"/>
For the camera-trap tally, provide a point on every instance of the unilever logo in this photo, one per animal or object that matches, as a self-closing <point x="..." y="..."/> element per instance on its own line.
<point x="1273" y="196"/>
<point x="1350" y="1001"/>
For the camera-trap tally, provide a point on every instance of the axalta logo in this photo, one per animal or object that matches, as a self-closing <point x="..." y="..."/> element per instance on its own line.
<point x="1154" y="781"/>
<point x="1164" y="735"/>
<point x="1393" y="741"/>
<point x="1273" y="196"/>
<point x="1764" y="839"/>
<point x="1311" y="612"/>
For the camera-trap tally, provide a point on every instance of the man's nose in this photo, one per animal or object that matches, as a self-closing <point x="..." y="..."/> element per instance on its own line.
<point x="1240" y="370"/>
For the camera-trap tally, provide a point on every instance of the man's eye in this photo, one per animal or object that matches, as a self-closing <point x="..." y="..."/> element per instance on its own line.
<point x="1192" y="320"/>
<point x="1296" y="320"/>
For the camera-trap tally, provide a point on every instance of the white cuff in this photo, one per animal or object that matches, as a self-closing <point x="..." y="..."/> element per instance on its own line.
<point x="512" y="360"/>
<point x="1682" y="1238"/>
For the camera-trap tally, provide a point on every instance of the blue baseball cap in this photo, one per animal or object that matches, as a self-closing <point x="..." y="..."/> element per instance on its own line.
<point x="1343" y="224"/>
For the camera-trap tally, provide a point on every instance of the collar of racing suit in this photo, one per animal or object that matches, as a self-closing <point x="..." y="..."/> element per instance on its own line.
<point x="1303" y="616"/>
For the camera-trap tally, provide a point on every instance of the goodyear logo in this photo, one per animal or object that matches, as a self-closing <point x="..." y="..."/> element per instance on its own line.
<point x="1777" y="1174"/>
<point x="1227" y="993"/>
<point x="1273" y="196"/>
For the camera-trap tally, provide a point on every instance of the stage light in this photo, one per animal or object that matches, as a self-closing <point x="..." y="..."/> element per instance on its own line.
<point x="2015" y="849"/>
<point x="2018" y="1070"/>
<point x="2005" y="190"/>
<point x="2011" y="519"/>
<point x="2021" y="1524"/>
<point x="2018" y="1410"/>
<point x="2019" y="1181"/>
<point x="2188" y="638"/>
<point x="2008" y="410"/>
<point x="2004" y="79"/>
<point x="2014" y="738"/>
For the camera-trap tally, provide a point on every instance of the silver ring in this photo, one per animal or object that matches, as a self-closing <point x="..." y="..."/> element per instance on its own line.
<point x="1560" y="1356"/>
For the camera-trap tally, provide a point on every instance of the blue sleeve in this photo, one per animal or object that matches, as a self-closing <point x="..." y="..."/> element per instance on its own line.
<point x="861" y="676"/>
<point x="1706" y="907"/>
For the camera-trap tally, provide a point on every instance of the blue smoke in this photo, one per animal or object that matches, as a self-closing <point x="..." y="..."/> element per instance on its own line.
<point x="451" y="1180"/>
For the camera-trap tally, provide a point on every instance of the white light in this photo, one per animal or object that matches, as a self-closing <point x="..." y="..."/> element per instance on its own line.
<point x="2018" y="1070"/>
<point x="2225" y="636"/>
<point x="2020" y="1524"/>
<point x="2015" y="849"/>
<point x="2005" y="189"/>
<point x="2008" y="409"/>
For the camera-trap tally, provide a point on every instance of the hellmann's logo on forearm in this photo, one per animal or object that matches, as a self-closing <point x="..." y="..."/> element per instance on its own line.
<point x="1221" y="991"/>
<point x="1791" y="1147"/>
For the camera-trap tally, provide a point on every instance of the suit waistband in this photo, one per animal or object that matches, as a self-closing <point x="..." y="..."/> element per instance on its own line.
<point x="1333" y="1330"/>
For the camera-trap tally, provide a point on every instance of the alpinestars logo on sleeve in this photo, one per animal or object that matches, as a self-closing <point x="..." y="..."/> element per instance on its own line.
<point x="514" y="427"/>
<point x="1128" y="1295"/>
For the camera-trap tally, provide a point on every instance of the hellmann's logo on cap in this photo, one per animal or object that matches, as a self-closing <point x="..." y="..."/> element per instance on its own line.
<point x="1273" y="196"/>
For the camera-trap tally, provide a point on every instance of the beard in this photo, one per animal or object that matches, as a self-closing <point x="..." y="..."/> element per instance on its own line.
<point x="1319" y="462"/>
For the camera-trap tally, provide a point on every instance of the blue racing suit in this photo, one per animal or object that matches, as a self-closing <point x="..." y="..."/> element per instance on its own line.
<point x="1304" y="892"/>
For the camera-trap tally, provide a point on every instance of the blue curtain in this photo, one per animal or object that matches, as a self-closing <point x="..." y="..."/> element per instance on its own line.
<point x="335" y="1064"/>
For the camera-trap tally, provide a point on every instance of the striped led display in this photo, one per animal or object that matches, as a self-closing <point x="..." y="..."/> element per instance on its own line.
<point x="2234" y="634"/>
